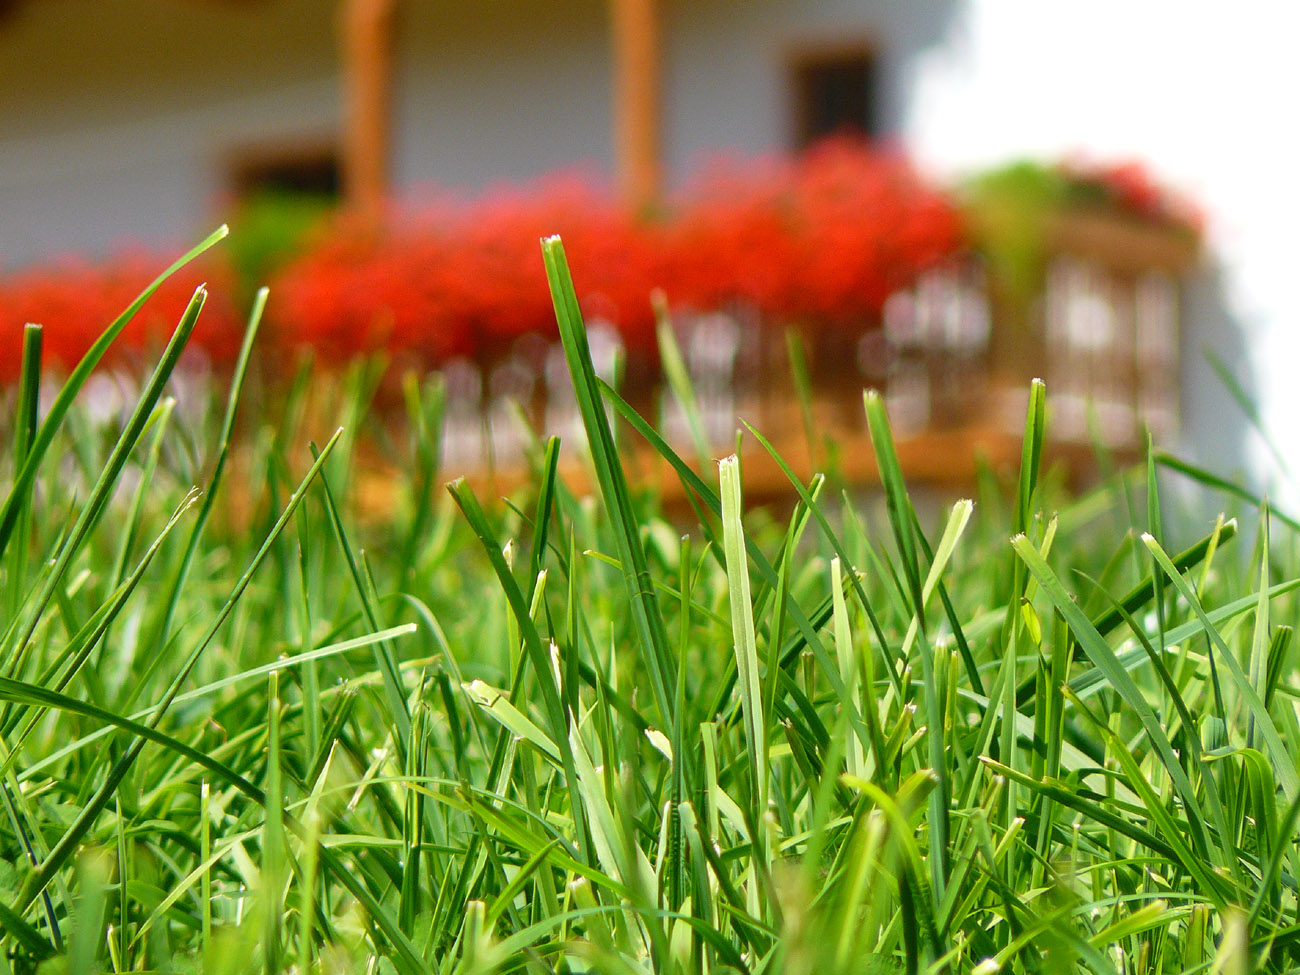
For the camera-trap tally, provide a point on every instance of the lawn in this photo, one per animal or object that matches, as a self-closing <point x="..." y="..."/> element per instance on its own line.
<point x="245" y="730"/>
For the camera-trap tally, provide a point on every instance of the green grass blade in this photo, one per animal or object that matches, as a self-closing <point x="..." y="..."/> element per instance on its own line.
<point x="902" y="519"/>
<point x="273" y="869"/>
<point x="72" y="386"/>
<point x="646" y="616"/>
<point x="1103" y="658"/>
<point x="1248" y="406"/>
<point x="237" y="381"/>
<point x="25" y="425"/>
<point x="1284" y="761"/>
<point x="678" y="378"/>
<point x="108" y="478"/>
<point x="1031" y="456"/>
<point x="743" y="637"/>
<point x="1211" y="480"/>
<point x="395" y="694"/>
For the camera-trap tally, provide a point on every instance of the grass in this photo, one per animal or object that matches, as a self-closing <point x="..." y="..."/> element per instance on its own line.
<point x="242" y="731"/>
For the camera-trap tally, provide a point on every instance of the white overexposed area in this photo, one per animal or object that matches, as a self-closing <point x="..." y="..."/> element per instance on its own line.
<point x="1206" y="95"/>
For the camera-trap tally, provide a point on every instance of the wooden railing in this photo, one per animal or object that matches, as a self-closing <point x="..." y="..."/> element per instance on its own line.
<point x="952" y="355"/>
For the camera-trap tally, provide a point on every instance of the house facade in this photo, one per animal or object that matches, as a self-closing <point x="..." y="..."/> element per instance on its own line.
<point x="145" y="119"/>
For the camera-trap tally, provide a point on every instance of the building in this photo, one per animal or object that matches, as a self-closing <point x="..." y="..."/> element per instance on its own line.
<point x="142" y="119"/>
<point x="145" y="119"/>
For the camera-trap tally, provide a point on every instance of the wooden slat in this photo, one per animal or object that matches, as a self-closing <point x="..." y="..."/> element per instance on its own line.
<point x="1120" y="243"/>
<point x="367" y="45"/>
<point x="636" y="35"/>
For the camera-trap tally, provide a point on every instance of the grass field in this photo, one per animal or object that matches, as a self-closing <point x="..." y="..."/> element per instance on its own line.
<point x="243" y="732"/>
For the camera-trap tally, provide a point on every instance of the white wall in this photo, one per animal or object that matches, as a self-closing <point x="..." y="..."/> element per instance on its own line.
<point x="502" y="91"/>
<point x="116" y="115"/>
<point x="728" y="61"/>
<point x="1203" y="92"/>
<point x="118" y="118"/>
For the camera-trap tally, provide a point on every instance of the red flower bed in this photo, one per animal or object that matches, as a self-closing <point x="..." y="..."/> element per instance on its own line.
<point x="358" y="291"/>
<point x="467" y="280"/>
<point x="822" y="241"/>
<point x="75" y="300"/>
<point x="868" y="227"/>
<point x="732" y="238"/>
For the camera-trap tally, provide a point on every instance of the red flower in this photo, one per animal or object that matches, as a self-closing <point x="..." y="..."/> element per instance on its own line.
<point x="1130" y="186"/>
<point x="822" y="241"/>
<point x="76" y="300"/>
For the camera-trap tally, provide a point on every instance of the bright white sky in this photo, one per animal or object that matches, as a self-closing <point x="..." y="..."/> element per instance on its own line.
<point x="1207" y="93"/>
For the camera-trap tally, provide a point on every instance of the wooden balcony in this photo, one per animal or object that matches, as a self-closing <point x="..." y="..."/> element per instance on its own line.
<point x="952" y="358"/>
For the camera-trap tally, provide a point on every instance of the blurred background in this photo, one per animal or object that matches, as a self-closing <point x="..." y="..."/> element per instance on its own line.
<point x="1096" y="194"/>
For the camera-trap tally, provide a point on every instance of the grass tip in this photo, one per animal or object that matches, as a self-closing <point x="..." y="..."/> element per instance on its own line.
<point x="660" y="742"/>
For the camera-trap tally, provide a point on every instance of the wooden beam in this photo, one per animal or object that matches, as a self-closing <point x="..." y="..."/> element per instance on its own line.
<point x="366" y="28"/>
<point x="636" y="34"/>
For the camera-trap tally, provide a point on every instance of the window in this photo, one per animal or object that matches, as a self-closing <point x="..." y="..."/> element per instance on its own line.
<point x="309" y="169"/>
<point x="276" y="194"/>
<point x="834" y="92"/>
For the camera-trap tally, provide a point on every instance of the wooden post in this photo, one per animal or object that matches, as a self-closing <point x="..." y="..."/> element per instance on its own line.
<point x="636" y="36"/>
<point x="367" y="49"/>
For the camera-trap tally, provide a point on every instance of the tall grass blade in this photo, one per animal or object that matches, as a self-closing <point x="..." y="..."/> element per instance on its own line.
<point x="40" y="445"/>
<point x="679" y="379"/>
<point x="613" y="484"/>
<point x="902" y="519"/>
<point x="1284" y="761"/>
<point x="743" y="638"/>
<point x="108" y="478"/>
<point x="1103" y="658"/>
<point x="238" y="378"/>
<point x="25" y="424"/>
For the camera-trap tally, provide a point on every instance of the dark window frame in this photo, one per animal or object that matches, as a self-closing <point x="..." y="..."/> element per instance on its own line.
<point x="310" y="166"/>
<point x="820" y="80"/>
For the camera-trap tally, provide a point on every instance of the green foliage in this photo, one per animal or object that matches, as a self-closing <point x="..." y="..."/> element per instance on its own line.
<point x="249" y="730"/>
<point x="1008" y="209"/>
<point x="271" y="228"/>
